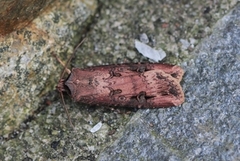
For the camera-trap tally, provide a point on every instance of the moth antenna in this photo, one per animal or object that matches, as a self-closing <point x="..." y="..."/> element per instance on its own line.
<point x="66" y="110"/>
<point x="60" y="86"/>
<point x="74" y="51"/>
<point x="60" y="61"/>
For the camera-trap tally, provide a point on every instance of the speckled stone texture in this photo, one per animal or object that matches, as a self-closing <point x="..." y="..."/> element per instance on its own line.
<point x="27" y="68"/>
<point x="207" y="125"/>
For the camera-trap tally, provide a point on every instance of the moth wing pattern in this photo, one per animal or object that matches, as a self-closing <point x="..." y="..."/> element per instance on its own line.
<point x="127" y="85"/>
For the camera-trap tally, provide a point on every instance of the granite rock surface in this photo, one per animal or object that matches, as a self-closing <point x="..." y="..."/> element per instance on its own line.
<point x="194" y="35"/>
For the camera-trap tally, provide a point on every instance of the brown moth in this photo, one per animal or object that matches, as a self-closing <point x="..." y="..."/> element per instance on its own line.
<point x="126" y="85"/>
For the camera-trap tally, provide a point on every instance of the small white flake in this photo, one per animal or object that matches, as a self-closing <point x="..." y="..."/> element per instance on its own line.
<point x="96" y="127"/>
<point x="144" y="38"/>
<point x="149" y="52"/>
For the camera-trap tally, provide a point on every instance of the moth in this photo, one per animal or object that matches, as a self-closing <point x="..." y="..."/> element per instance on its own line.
<point x="142" y="85"/>
<point x="126" y="85"/>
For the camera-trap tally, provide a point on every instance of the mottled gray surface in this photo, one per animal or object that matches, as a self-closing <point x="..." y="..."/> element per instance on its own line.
<point x="174" y="26"/>
<point x="207" y="125"/>
<point x="27" y="68"/>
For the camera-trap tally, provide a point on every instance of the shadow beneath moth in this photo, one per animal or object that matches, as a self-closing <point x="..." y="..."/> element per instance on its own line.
<point x="126" y="85"/>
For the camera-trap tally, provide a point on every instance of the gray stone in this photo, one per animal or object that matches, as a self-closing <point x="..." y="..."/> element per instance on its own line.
<point x="169" y="134"/>
<point x="207" y="125"/>
<point x="27" y="69"/>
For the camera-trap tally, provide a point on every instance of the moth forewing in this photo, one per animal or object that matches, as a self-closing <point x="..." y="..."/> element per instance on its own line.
<point x="127" y="85"/>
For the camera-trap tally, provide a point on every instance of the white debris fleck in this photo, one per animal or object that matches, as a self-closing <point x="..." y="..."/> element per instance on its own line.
<point x="89" y="64"/>
<point x="192" y="42"/>
<point x="149" y="52"/>
<point x="144" y="38"/>
<point x="96" y="127"/>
